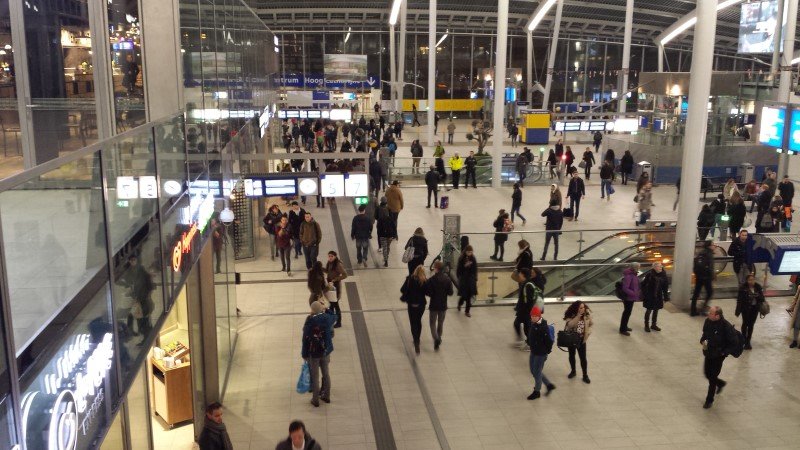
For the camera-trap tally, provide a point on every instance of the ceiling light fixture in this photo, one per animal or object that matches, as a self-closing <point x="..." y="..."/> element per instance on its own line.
<point x="395" y="12"/>
<point x="690" y="21"/>
<point x="539" y="14"/>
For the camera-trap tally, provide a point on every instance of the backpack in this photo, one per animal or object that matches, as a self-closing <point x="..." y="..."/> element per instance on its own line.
<point x="618" y="291"/>
<point x="551" y="334"/>
<point x="702" y="264"/>
<point x="316" y="342"/>
<point x="738" y="346"/>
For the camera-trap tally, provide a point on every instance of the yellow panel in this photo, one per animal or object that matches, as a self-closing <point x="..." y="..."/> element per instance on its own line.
<point x="457" y="104"/>
<point x="541" y="120"/>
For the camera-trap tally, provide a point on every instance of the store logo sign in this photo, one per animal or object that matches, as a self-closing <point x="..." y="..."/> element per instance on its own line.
<point x="184" y="246"/>
<point x="75" y="381"/>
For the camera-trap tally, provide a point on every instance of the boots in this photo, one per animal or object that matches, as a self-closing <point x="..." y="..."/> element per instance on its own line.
<point x="646" y="327"/>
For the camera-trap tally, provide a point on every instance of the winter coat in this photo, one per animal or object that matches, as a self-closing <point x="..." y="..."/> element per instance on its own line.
<point x="630" y="285"/>
<point x="498" y="225"/>
<point x="526" y="299"/>
<point x="271" y="220"/>
<point x="432" y="180"/>
<point x="626" y="163"/>
<point x="283" y="236"/>
<point x="588" y="158"/>
<point x="718" y="206"/>
<point x="571" y="324"/>
<point x="394" y="197"/>
<point x="706" y="219"/>
<point x="556" y="197"/>
<point x="539" y="339"/>
<point x="655" y="289"/>
<point x="739" y="251"/>
<point x="576" y="189"/>
<point x="420" y="245"/>
<point x="335" y="271"/>
<point x="720" y="338"/>
<point x="516" y="198"/>
<point x="745" y="298"/>
<point x="737" y="213"/>
<point x="361" y="227"/>
<point x="525" y="259"/>
<point x="295" y="220"/>
<point x="645" y="199"/>
<point x="606" y="171"/>
<point x="786" y="191"/>
<point x="555" y="218"/>
<point x="310" y="233"/>
<point x="324" y="321"/>
<point x="467" y="273"/>
<point x="414" y="292"/>
<point x="387" y="228"/>
<point x="439" y="287"/>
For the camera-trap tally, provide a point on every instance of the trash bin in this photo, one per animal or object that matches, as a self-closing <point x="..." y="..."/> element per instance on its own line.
<point x="745" y="172"/>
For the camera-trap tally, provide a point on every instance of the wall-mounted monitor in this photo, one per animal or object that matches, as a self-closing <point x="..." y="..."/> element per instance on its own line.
<point x="773" y="123"/>
<point x="343" y="114"/>
<point x="280" y="186"/>
<point x="794" y="131"/>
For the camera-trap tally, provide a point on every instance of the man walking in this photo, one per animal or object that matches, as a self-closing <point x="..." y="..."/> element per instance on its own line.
<point x="214" y="435"/>
<point x="316" y="349"/>
<point x="606" y="176"/>
<point x="394" y="199"/>
<point x="296" y="217"/>
<point x="704" y="275"/>
<point x="555" y="220"/>
<point x="470" y="163"/>
<point x="522" y="168"/>
<point x="439" y="287"/>
<point x="718" y="341"/>
<point x="298" y="439"/>
<point x="361" y="232"/>
<point x="432" y="182"/>
<point x="310" y="237"/>
<point x="631" y="294"/>
<point x="541" y="344"/>
<point x="741" y="259"/>
<point x="575" y="193"/>
<point x="456" y="163"/>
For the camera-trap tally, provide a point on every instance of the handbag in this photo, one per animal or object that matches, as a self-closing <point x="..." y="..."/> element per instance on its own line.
<point x="611" y="189"/>
<point x="763" y="308"/>
<point x="747" y="222"/>
<point x="568" y="339"/>
<point x="516" y="276"/>
<point x="582" y="164"/>
<point x="304" y="381"/>
<point x="330" y="295"/>
<point x="408" y="255"/>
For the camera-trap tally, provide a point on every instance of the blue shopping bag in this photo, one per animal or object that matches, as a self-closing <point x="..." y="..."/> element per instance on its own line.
<point x="304" y="382"/>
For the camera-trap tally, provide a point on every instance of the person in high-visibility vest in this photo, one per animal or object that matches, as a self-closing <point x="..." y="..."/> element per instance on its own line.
<point x="456" y="163"/>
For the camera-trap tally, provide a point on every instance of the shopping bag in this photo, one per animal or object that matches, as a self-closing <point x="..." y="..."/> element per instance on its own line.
<point x="611" y="189"/>
<point x="304" y="382"/>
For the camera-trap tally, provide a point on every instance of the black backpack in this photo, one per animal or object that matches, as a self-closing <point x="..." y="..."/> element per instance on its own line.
<point x="316" y="342"/>
<point x="738" y="345"/>
<point x="618" y="291"/>
<point x="702" y="264"/>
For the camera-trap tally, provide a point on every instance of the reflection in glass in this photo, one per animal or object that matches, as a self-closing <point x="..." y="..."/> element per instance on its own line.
<point x="9" y="115"/>
<point x="114" y="439"/>
<point x="138" y="412"/>
<point x="125" y="47"/>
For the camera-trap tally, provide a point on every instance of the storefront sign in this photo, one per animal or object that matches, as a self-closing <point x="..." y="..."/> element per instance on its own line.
<point x="184" y="246"/>
<point x="74" y="392"/>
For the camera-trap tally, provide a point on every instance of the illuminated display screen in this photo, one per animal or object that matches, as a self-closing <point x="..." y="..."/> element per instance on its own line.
<point x="757" y="25"/>
<point x="794" y="131"/>
<point x="356" y="185"/>
<point x="773" y="121"/>
<point x="274" y="187"/>
<point x="332" y="185"/>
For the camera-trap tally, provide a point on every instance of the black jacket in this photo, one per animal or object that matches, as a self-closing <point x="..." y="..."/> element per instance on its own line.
<point x="525" y="299"/>
<point x="655" y="289"/>
<point x="295" y="220"/>
<point x="498" y="225"/>
<point x="414" y="292"/>
<point x="212" y="439"/>
<point x="787" y="192"/>
<point x="606" y="172"/>
<point x="387" y="228"/>
<point x="361" y="227"/>
<point x="420" y="245"/>
<point x="555" y="218"/>
<point x="539" y="338"/>
<point x="467" y="273"/>
<point x="439" y="287"/>
<point x="524" y="260"/>
<point x="738" y="250"/>
<point x="745" y="297"/>
<point x="720" y="338"/>
<point x="577" y="188"/>
<point x="311" y="444"/>
<point x="470" y="163"/>
<point x="737" y="212"/>
<point x="516" y="198"/>
<point x="432" y="179"/>
<point x="626" y="163"/>
<point x="718" y="206"/>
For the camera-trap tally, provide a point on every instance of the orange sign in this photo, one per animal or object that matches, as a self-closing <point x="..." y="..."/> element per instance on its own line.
<point x="184" y="245"/>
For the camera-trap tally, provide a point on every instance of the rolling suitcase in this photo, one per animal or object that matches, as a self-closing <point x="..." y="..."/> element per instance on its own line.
<point x="445" y="202"/>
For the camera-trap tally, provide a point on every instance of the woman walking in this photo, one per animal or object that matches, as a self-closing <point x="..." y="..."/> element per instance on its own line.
<point x="271" y="220"/>
<point x="317" y="284"/>
<point x="283" y="237"/>
<point x="569" y="159"/>
<point x="524" y="257"/>
<point x="655" y="290"/>
<point x="748" y="304"/>
<point x="578" y="318"/>
<point x="555" y="195"/>
<point x="387" y="230"/>
<point x="413" y="294"/>
<point x="467" y="273"/>
<point x="626" y="166"/>
<point x="645" y="198"/>
<point x="552" y="163"/>
<point x="502" y="225"/>
<point x="335" y="274"/>
<point x="420" y="245"/>
<point x="516" y="203"/>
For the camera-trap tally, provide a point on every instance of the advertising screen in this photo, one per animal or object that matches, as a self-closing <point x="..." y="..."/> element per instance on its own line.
<point x="794" y="131"/>
<point x="345" y="114"/>
<point x="772" y="124"/>
<point x="790" y="262"/>
<point x="345" y="67"/>
<point x="757" y="24"/>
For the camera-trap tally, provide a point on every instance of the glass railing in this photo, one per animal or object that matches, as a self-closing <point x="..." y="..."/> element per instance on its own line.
<point x="411" y="172"/>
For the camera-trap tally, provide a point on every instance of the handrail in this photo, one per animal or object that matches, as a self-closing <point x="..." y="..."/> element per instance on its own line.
<point x="618" y="230"/>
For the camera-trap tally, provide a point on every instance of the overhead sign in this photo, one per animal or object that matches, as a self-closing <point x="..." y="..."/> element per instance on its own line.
<point x="137" y="187"/>
<point x="758" y="23"/>
<point x="794" y="131"/>
<point x="332" y="185"/>
<point x="182" y="247"/>
<point x="345" y="67"/>
<point x="356" y="185"/>
<point x="318" y="80"/>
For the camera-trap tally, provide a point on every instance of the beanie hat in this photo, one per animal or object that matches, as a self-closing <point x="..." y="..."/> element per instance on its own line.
<point x="536" y="312"/>
<point x="317" y="307"/>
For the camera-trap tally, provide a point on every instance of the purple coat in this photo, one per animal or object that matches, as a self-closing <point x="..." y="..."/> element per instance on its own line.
<point x="630" y="285"/>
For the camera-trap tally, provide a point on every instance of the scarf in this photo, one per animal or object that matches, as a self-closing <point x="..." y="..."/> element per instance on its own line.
<point x="219" y="429"/>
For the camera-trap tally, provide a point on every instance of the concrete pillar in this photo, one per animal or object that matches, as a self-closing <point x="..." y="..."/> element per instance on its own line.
<point x="401" y="58"/>
<point x="660" y="58"/>
<point x="776" y="53"/>
<point x="431" y="70"/>
<point x="392" y="68"/>
<point x="500" y="91"/>
<point x="626" y="58"/>
<point x="529" y="66"/>
<point x="785" y="86"/>
<point x="551" y="61"/>
<point x="693" y="150"/>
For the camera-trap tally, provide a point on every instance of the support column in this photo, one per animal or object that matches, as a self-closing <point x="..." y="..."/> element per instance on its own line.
<point x="19" y="39"/>
<point x="551" y="61"/>
<point x="431" y="70"/>
<point x="392" y="68"/>
<point x="529" y="67"/>
<point x="693" y="150"/>
<point x="500" y="91"/>
<point x="776" y="53"/>
<point x="622" y="89"/>
<point x="660" y="58"/>
<point x="785" y="86"/>
<point x="401" y="59"/>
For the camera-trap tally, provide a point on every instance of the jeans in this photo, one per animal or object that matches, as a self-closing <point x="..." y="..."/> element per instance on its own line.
<point x="456" y="174"/>
<point x="743" y="273"/>
<point x="298" y="247"/>
<point x="320" y="365"/>
<point x="712" y="367"/>
<point x="435" y="192"/>
<point x="525" y="321"/>
<point x="643" y="216"/>
<point x="605" y="188"/>
<point x="537" y="368"/>
<point x="310" y="253"/>
<point x="467" y="300"/>
<point x="286" y="258"/>
<point x="336" y="309"/>
<point x="415" y="314"/>
<point x="415" y="165"/>
<point x="515" y="210"/>
<point x="582" y="355"/>
<point x="362" y="248"/>
<point x="470" y="174"/>
<point x="273" y="245"/>
<point x="575" y="206"/>
<point x="700" y="282"/>
<point x="449" y="138"/>
<point x="436" y="319"/>
<point x="647" y="316"/>
<point x="626" y="315"/>
<point x="554" y="237"/>
<point x="749" y="316"/>
<point x="521" y="175"/>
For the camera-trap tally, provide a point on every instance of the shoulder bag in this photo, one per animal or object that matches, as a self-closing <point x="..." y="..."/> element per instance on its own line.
<point x="568" y="339"/>
<point x="409" y="253"/>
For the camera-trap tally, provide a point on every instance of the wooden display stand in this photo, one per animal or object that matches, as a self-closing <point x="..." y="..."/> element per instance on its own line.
<point x="172" y="392"/>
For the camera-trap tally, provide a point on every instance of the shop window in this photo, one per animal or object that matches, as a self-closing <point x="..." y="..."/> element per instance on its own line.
<point x="126" y="64"/>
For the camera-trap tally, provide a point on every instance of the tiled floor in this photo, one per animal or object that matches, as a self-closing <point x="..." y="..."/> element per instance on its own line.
<point x="647" y="390"/>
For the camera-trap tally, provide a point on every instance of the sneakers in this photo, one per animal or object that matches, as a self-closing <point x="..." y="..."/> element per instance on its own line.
<point x="646" y="328"/>
<point x="550" y="388"/>
<point x="793" y="344"/>
<point x="720" y="386"/>
<point x="534" y="395"/>
<point x="571" y="374"/>
<point x="524" y="222"/>
<point x="468" y="314"/>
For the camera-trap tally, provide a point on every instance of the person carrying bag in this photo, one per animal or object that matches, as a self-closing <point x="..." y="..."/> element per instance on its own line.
<point x="577" y="328"/>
